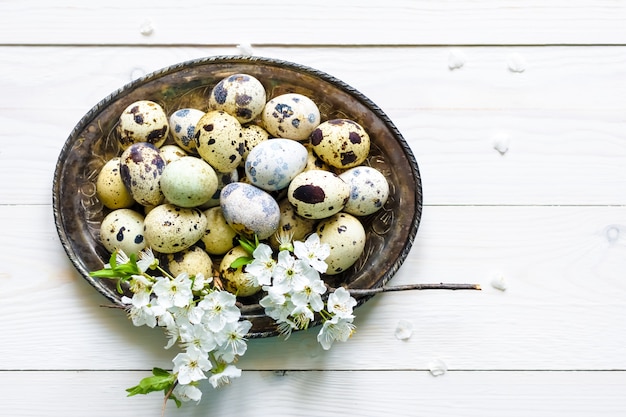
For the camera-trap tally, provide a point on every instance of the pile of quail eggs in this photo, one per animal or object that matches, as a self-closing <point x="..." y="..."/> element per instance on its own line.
<point x="245" y="167"/>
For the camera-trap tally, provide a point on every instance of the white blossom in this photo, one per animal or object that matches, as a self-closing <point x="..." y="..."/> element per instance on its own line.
<point x="199" y="337"/>
<point x="261" y="268"/>
<point x="173" y="292"/>
<point x="142" y="311"/>
<point x="200" y="282"/>
<point x="341" y="303"/>
<point x="187" y="392"/>
<point x="219" y="308"/>
<point x="234" y="342"/>
<point x="191" y="365"/>
<point x="222" y="378"/>
<point x="146" y="260"/>
<point x="337" y="328"/>
<point x="310" y="294"/>
<point x="290" y="272"/>
<point x="313" y="251"/>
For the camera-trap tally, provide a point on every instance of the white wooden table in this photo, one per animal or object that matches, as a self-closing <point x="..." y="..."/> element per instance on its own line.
<point x="516" y="112"/>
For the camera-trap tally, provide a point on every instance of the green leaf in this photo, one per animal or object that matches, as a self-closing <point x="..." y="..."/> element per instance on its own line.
<point x="104" y="273"/>
<point x="160" y="381"/>
<point x="247" y="245"/>
<point x="160" y="372"/>
<point x="113" y="259"/>
<point x="241" y="261"/>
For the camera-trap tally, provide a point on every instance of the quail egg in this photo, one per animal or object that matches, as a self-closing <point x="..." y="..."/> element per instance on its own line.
<point x="188" y="182"/>
<point x="240" y="95"/>
<point x="249" y="210"/>
<point x="346" y="236"/>
<point x="219" y="140"/>
<point x="143" y="121"/>
<point x="369" y="190"/>
<point x="183" y="127"/>
<point x="318" y="194"/>
<point x="123" y="229"/>
<point x="141" y="167"/>
<point x="170" y="229"/>
<point x="291" y="115"/>
<point x="341" y="143"/>
<point x="110" y="188"/>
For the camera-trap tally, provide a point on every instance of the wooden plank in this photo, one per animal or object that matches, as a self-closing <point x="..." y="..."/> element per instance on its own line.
<point x="363" y="393"/>
<point x="411" y="78"/>
<point x="398" y="22"/>
<point x="563" y="309"/>
<point x="560" y="122"/>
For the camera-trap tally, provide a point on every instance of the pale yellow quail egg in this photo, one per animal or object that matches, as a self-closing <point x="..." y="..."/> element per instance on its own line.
<point x="291" y="116"/>
<point x="123" y="229"/>
<point x="143" y="121"/>
<point x="240" y="95"/>
<point x="169" y="228"/>
<point x="341" y="143"/>
<point x="235" y="280"/>
<point x="291" y="226"/>
<point x="110" y="188"/>
<point x="346" y="237"/>
<point x="192" y="261"/>
<point x="218" y="237"/>
<point x="219" y="140"/>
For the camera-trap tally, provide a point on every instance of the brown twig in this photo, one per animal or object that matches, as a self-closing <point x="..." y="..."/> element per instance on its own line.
<point x="409" y="287"/>
<point x="167" y="397"/>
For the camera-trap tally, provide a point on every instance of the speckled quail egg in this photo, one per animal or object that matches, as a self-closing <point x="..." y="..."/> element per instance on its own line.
<point x="188" y="182"/>
<point x="291" y="225"/>
<point x="249" y="210"/>
<point x="252" y="136"/>
<point x="240" y="95"/>
<point x="272" y="164"/>
<point x="123" y="229"/>
<point x="141" y="167"/>
<point x="369" y="190"/>
<point x="346" y="236"/>
<point x="183" y="127"/>
<point x="341" y="143"/>
<point x="219" y="140"/>
<point x="192" y="261"/>
<point x="318" y="194"/>
<point x="291" y="115"/>
<point x="143" y="121"/>
<point x="110" y="188"/>
<point x="170" y="229"/>
<point x="218" y="237"/>
<point x="235" y="280"/>
<point x="171" y="153"/>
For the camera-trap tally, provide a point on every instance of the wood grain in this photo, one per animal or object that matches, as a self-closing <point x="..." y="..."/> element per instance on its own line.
<point x="324" y="22"/>
<point x="366" y="393"/>
<point x="515" y="112"/>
